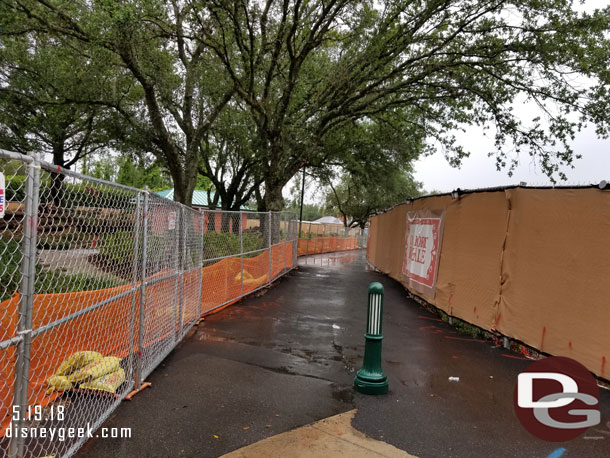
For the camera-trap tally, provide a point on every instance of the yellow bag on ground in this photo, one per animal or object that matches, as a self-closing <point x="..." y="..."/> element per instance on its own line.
<point x="76" y="361"/>
<point x="58" y="383"/>
<point x="109" y="382"/>
<point x="96" y="369"/>
<point x="247" y="276"/>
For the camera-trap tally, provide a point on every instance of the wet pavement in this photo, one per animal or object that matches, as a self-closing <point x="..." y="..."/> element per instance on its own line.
<point x="287" y="358"/>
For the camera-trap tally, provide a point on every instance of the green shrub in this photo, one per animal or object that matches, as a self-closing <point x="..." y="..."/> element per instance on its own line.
<point x="81" y="194"/>
<point x="58" y="282"/>
<point x="216" y="245"/>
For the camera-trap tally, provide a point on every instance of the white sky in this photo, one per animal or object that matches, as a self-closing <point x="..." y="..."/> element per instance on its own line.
<point x="478" y="170"/>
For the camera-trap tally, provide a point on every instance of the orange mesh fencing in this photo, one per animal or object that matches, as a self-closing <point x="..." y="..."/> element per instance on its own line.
<point x="109" y="328"/>
<point x="326" y="244"/>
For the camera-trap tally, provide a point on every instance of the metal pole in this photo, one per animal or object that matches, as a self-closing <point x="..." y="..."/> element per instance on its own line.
<point x="142" y="290"/>
<point x="181" y="236"/>
<point x="285" y="246"/>
<point x="241" y="250"/>
<point x="26" y="306"/>
<point x="201" y="266"/>
<point x="270" y="246"/>
<point x="302" y="199"/>
<point x="307" y="246"/>
<point x="134" y="281"/>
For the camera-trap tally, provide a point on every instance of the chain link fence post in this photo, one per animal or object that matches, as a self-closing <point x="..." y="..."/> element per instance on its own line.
<point x="201" y="254"/>
<point x="26" y="305"/>
<point x="142" y="316"/>
<point x="269" y="224"/>
<point x="181" y="232"/>
<point x="134" y="285"/>
<point x="307" y="246"/>
<point x="241" y="250"/>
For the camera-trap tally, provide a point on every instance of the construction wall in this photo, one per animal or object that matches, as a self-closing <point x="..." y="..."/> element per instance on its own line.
<point x="532" y="264"/>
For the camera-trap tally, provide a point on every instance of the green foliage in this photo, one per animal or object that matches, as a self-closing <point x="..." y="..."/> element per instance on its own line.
<point x="256" y="92"/>
<point x="216" y="245"/>
<point x="82" y="194"/>
<point x="119" y="248"/>
<point x="59" y="282"/>
<point x="358" y="197"/>
<point x="311" y="212"/>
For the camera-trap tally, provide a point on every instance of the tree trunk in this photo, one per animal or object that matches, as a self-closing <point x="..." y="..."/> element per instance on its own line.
<point x="274" y="202"/>
<point x="184" y="186"/>
<point x="57" y="190"/>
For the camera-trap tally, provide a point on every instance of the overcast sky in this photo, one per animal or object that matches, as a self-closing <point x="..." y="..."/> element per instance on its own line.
<point x="479" y="171"/>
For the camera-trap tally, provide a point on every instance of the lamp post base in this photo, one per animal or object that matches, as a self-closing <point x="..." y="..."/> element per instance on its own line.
<point x="371" y="387"/>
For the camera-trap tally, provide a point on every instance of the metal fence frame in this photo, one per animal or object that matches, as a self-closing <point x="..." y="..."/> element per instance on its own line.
<point x="186" y="271"/>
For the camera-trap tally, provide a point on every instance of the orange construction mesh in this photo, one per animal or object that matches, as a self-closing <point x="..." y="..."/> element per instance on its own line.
<point x="327" y="244"/>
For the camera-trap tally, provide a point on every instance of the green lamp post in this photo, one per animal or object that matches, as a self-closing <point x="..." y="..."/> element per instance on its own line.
<point x="371" y="379"/>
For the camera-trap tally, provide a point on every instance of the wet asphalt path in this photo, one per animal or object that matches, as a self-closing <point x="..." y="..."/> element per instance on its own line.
<point x="287" y="358"/>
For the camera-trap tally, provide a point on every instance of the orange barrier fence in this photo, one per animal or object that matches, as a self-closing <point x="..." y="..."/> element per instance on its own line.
<point x="532" y="264"/>
<point x="109" y="328"/>
<point x="318" y="245"/>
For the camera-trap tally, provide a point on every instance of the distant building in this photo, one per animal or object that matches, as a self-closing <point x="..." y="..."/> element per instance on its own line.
<point x="328" y="220"/>
<point x="200" y="203"/>
<point x="200" y="198"/>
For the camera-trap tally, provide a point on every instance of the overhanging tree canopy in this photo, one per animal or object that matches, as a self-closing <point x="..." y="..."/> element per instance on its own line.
<point x="307" y="68"/>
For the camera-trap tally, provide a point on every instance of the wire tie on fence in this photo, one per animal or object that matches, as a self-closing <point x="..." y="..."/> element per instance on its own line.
<point x="24" y="332"/>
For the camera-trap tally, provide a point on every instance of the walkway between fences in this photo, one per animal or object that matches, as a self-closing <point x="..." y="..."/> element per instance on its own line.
<point x="101" y="281"/>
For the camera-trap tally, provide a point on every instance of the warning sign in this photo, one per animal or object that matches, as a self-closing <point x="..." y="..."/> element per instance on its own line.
<point x="2" y="196"/>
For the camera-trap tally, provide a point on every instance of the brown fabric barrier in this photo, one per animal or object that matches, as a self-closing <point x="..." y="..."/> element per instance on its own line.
<point x="531" y="263"/>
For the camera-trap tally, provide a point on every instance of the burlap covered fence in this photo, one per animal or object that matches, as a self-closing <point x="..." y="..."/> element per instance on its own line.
<point x="532" y="264"/>
<point x="88" y="265"/>
<point x="319" y="238"/>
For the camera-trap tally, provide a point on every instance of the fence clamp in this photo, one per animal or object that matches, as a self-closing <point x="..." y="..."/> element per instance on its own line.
<point x="371" y="379"/>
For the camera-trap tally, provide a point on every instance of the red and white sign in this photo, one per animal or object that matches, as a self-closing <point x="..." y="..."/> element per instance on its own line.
<point x="422" y="249"/>
<point x="2" y="196"/>
<point x="171" y="220"/>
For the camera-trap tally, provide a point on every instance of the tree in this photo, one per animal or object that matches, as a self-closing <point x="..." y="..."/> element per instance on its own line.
<point x="229" y="159"/>
<point x="36" y="77"/>
<point x="357" y="198"/>
<point x="167" y="89"/>
<point x="307" y="68"/>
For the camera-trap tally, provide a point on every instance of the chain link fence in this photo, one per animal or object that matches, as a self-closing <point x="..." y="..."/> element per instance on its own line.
<point x="316" y="238"/>
<point x="98" y="283"/>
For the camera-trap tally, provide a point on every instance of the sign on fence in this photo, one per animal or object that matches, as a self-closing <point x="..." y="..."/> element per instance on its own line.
<point x="2" y="196"/>
<point x="422" y="249"/>
<point x="171" y="220"/>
